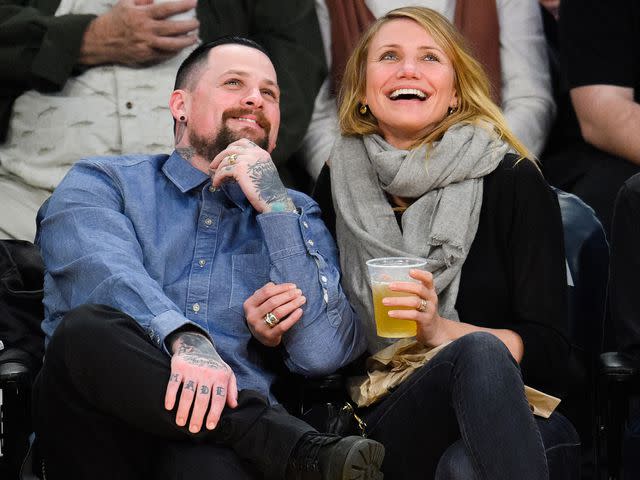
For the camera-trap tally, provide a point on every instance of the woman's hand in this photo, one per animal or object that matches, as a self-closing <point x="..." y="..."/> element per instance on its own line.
<point x="423" y="308"/>
<point x="284" y="301"/>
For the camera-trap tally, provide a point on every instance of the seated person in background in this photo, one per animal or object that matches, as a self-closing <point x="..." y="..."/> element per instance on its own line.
<point x="90" y="78"/>
<point x="166" y="273"/>
<point x="600" y="148"/>
<point x="624" y="301"/>
<point x="506" y="35"/>
<point x="426" y="167"/>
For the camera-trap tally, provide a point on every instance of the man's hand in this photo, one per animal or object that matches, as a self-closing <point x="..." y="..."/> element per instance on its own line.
<point x="252" y="167"/>
<point x="138" y="32"/>
<point x="207" y="381"/>
<point x="284" y="301"/>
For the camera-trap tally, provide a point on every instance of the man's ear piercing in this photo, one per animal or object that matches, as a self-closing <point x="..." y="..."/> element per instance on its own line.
<point x="182" y="118"/>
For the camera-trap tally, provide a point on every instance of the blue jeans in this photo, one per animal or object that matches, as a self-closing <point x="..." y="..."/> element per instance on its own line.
<point x="464" y="416"/>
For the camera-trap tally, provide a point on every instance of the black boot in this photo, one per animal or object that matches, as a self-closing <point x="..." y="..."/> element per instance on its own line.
<point x="319" y="456"/>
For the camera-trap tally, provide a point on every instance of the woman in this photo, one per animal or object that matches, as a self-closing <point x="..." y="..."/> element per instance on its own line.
<point x="427" y="167"/>
<point x="507" y="36"/>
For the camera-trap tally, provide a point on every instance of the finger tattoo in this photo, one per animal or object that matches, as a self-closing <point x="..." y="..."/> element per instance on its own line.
<point x="220" y="391"/>
<point x="204" y="390"/>
<point x="190" y="386"/>
<point x="174" y="377"/>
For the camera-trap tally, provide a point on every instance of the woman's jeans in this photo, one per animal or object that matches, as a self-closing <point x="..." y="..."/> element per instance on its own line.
<point x="464" y="416"/>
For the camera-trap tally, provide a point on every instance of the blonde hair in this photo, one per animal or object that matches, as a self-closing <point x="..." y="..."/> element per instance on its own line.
<point x="471" y="82"/>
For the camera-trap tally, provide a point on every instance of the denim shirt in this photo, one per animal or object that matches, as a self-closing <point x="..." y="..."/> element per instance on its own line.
<point x="148" y="235"/>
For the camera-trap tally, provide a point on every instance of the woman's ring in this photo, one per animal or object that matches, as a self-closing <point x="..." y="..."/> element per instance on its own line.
<point x="423" y="305"/>
<point x="271" y="320"/>
<point x="231" y="159"/>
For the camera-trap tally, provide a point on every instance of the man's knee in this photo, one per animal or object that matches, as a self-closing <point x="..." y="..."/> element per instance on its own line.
<point x="86" y="328"/>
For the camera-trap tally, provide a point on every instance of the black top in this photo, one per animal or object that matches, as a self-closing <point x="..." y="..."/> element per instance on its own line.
<point x="599" y="45"/>
<point x="515" y="275"/>
<point x="600" y="42"/>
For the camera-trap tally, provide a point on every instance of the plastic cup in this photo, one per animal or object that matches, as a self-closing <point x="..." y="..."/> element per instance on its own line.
<point x="382" y="272"/>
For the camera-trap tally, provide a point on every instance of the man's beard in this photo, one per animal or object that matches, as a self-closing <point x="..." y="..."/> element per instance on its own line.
<point x="208" y="148"/>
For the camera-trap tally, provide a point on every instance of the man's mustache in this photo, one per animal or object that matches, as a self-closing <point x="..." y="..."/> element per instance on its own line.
<point x="239" y="112"/>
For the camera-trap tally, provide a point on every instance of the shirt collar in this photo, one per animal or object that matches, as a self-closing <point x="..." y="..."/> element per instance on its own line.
<point x="187" y="177"/>
<point x="183" y="175"/>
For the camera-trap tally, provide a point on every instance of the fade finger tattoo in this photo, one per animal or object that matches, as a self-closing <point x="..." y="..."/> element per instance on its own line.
<point x="265" y="178"/>
<point x="190" y="386"/>
<point x="175" y="377"/>
<point x="220" y="391"/>
<point x="204" y="390"/>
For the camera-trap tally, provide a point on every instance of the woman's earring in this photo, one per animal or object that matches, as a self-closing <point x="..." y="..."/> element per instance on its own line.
<point x="363" y="109"/>
<point x="452" y="110"/>
<point x="183" y="118"/>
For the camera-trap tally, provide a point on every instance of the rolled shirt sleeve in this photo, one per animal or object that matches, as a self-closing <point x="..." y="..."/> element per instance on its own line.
<point x="302" y="251"/>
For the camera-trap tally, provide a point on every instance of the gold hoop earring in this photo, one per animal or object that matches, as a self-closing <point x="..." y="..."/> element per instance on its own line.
<point x="363" y="109"/>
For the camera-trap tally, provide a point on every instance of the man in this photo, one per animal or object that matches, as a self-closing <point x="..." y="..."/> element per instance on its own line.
<point x="88" y="77"/>
<point x="600" y="146"/>
<point x="172" y="279"/>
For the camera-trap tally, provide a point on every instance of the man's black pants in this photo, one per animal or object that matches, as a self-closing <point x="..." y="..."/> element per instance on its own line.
<point x="98" y="410"/>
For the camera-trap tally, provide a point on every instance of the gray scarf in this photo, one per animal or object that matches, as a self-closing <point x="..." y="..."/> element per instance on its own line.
<point x="440" y="225"/>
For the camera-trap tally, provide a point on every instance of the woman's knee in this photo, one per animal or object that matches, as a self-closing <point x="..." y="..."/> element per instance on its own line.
<point x="483" y="347"/>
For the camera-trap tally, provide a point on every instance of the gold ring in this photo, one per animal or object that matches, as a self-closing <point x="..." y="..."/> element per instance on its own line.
<point x="423" y="305"/>
<point x="231" y="159"/>
<point x="271" y="320"/>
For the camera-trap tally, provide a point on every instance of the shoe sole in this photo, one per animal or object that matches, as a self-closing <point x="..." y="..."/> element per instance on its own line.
<point x="363" y="460"/>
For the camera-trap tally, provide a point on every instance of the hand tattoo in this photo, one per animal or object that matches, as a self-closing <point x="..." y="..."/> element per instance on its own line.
<point x="265" y="177"/>
<point x="196" y="349"/>
<point x="190" y="386"/>
<point x="204" y="390"/>
<point x="220" y="391"/>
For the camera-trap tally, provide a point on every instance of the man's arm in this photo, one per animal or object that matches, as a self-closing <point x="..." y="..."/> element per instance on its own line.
<point x="302" y="253"/>
<point x="92" y="255"/>
<point x="609" y="119"/>
<point x="527" y="98"/>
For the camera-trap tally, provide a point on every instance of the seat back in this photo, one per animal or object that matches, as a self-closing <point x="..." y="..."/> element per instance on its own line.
<point x="587" y="255"/>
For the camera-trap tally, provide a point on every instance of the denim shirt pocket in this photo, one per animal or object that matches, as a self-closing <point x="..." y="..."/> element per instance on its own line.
<point x="250" y="271"/>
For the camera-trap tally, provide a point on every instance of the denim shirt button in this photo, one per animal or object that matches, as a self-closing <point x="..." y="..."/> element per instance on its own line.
<point x="324" y="279"/>
<point x="208" y="222"/>
<point x="196" y="307"/>
<point x="305" y="224"/>
<point x="310" y="242"/>
<point x="202" y="262"/>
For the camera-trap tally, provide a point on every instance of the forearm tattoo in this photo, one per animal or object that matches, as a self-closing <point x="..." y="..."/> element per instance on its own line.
<point x="196" y="349"/>
<point x="267" y="182"/>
